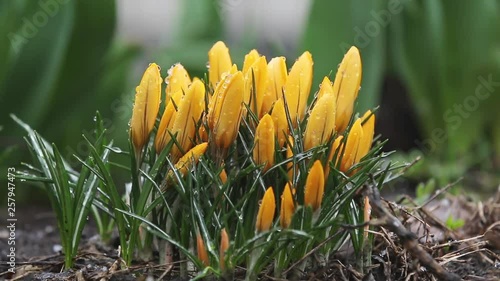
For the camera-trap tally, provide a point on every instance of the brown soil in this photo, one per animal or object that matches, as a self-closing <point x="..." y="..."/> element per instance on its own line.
<point x="471" y="252"/>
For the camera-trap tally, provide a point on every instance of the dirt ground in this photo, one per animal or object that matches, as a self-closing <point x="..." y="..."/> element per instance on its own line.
<point x="471" y="252"/>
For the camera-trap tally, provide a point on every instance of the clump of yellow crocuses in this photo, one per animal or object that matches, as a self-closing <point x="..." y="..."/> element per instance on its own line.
<point x="259" y="116"/>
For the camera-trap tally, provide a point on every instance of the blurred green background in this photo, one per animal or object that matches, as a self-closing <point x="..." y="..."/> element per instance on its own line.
<point x="433" y="67"/>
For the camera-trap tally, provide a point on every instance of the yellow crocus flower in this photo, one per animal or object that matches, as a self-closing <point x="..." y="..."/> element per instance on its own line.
<point x="326" y="87"/>
<point x="189" y="111"/>
<point x="321" y="124"/>
<point x="263" y="152"/>
<point x="276" y="79"/>
<point x="250" y="59"/>
<point x="368" y="121"/>
<point x="267" y="208"/>
<point x="167" y="120"/>
<point x="346" y="87"/>
<point x="201" y="250"/>
<point x="315" y="186"/>
<point x="189" y="159"/>
<point x="176" y="80"/>
<point x="280" y="122"/>
<point x="256" y="85"/>
<point x="146" y="106"/>
<point x="351" y="146"/>
<point x="224" y="245"/>
<point x="298" y="86"/>
<point x="219" y="62"/>
<point x="224" y="113"/>
<point x="287" y="207"/>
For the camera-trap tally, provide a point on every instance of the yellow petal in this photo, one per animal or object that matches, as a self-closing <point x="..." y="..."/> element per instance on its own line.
<point x="250" y="59"/>
<point x="276" y="79"/>
<point x="352" y="145"/>
<point x="321" y="124"/>
<point x="190" y="158"/>
<point x="287" y="207"/>
<point x="177" y="80"/>
<point x="146" y="106"/>
<point x="280" y="122"/>
<point x="202" y="250"/>
<point x="298" y="86"/>
<point x="263" y="152"/>
<point x="219" y="62"/>
<point x="326" y="87"/>
<point x="223" y="176"/>
<point x="366" y="142"/>
<point x="267" y="208"/>
<point x="335" y="148"/>
<point x="167" y="120"/>
<point x="315" y="186"/>
<point x="346" y="87"/>
<point x="256" y="85"/>
<point x="227" y="111"/>
<point x="187" y="116"/>
<point x="224" y="245"/>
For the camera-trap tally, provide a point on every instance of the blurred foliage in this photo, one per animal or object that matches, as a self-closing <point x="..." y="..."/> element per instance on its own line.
<point x="447" y="53"/>
<point x="59" y="65"/>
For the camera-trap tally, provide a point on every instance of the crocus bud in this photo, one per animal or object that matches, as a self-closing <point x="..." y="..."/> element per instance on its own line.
<point x="351" y="146"/>
<point x="256" y="85"/>
<point x="167" y="121"/>
<point x="263" y="152"/>
<point x="250" y="59"/>
<point x="176" y="80"/>
<point x="315" y="186"/>
<point x="287" y="207"/>
<point x="276" y="79"/>
<point x="368" y="125"/>
<point x="298" y="86"/>
<point x="321" y="124"/>
<point x="224" y="245"/>
<point x="346" y="87"/>
<point x="202" y="250"/>
<point x="190" y="158"/>
<point x="189" y="111"/>
<point x="326" y="87"/>
<point x="280" y="122"/>
<point x="267" y="208"/>
<point x="219" y="62"/>
<point x="146" y="106"/>
<point x="225" y="110"/>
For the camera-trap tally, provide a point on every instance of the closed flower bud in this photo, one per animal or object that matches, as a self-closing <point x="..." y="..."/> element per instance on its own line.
<point x="202" y="250"/>
<point x="224" y="245"/>
<point x="219" y="62"/>
<point x="189" y="159"/>
<point x="368" y="121"/>
<point x="177" y="80"/>
<point x="298" y="86"/>
<point x="263" y="152"/>
<point x="315" y="186"/>
<point x="146" y="106"/>
<point x="280" y="122"/>
<point x="276" y="79"/>
<point x="187" y="116"/>
<point x="167" y="121"/>
<point x="287" y="207"/>
<point x="326" y="87"/>
<point x="224" y="114"/>
<point x="321" y="124"/>
<point x="351" y="146"/>
<point x="250" y="59"/>
<point x="346" y="87"/>
<point x="334" y="149"/>
<point x="267" y="208"/>
<point x="256" y="85"/>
